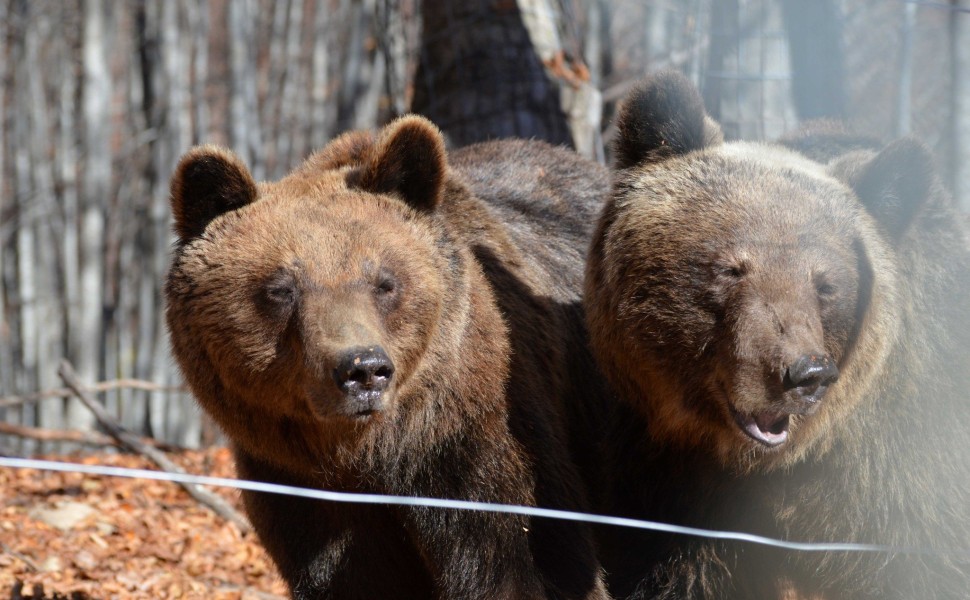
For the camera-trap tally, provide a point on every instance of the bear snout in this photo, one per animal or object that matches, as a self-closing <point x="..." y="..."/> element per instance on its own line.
<point x="363" y="374"/>
<point x="807" y="379"/>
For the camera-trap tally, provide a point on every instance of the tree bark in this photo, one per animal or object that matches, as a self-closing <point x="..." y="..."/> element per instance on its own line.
<point x="560" y="50"/>
<point x="960" y="161"/>
<point x="479" y="77"/>
<point x="88" y="339"/>
<point x="817" y="57"/>
<point x="6" y="343"/>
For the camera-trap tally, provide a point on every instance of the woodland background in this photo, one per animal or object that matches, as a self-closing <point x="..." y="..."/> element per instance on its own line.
<point x="98" y="99"/>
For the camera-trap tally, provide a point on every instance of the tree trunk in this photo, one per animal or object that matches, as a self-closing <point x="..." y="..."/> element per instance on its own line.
<point x="6" y="342"/>
<point x="960" y="157"/>
<point x="560" y="50"/>
<point x="817" y="58"/>
<point x="479" y="77"/>
<point x="88" y="340"/>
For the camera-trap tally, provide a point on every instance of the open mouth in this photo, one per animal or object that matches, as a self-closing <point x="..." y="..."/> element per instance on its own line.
<point x="769" y="428"/>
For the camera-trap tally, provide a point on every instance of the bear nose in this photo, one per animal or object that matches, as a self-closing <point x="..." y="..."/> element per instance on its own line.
<point x="810" y="375"/>
<point x="363" y="369"/>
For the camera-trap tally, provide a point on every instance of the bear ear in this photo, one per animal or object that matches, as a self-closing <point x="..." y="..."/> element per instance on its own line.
<point x="208" y="182"/>
<point x="409" y="161"/>
<point x="663" y="117"/>
<point x="895" y="184"/>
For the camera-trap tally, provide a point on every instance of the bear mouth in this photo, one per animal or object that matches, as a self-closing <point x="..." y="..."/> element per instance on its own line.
<point x="360" y="408"/>
<point x="769" y="428"/>
<point x="363" y="415"/>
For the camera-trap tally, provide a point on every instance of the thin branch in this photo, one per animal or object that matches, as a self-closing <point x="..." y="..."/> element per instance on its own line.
<point x="53" y="435"/>
<point x="26" y="560"/>
<point x="106" y="386"/>
<point x="133" y="443"/>
<point x="88" y="438"/>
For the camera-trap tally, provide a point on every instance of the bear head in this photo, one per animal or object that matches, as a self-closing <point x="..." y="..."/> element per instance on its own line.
<point x="737" y="294"/>
<point x="311" y="302"/>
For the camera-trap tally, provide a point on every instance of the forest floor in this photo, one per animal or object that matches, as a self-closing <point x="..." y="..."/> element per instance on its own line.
<point x="75" y="536"/>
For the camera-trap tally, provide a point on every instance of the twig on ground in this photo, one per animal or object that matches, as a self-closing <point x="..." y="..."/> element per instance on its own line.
<point x="25" y="559"/>
<point x="133" y="443"/>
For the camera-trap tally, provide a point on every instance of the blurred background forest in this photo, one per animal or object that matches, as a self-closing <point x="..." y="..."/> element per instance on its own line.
<point x="100" y="98"/>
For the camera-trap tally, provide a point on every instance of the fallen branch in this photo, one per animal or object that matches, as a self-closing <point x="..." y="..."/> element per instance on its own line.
<point x="88" y="438"/>
<point x="106" y="386"/>
<point x="25" y="559"/>
<point x="133" y="443"/>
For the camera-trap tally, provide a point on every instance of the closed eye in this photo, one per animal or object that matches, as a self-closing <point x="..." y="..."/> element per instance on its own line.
<point x="385" y="286"/>
<point x="280" y="292"/>
<point x="825" y="289"/>
<point x="733" y="271"/>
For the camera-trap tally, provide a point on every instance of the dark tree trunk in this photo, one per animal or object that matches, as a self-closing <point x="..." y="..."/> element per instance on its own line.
<point x="817" y="58"/>
<point x="479" y="77"/>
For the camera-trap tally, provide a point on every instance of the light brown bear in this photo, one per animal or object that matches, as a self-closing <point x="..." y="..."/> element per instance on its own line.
<point x="378" y="321"/>
<point x="790" y="342"/>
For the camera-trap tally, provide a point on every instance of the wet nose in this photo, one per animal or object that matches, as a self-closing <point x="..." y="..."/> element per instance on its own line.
<point x="363" y="369"/>
<point x="810" y="375"/>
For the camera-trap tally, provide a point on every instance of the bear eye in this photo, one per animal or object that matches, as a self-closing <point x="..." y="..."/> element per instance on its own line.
<point x="386" y="284"/>
<point x="280" y="291"/>
<point x="734" y="271"/>
<point x="825" y="289"/>
<point x="283" y="294"/>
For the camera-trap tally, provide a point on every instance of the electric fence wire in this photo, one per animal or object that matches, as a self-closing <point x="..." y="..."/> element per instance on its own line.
<point x="415" y="501"/>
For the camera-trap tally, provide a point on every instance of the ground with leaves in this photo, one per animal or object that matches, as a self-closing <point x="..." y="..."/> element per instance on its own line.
<point x="80" y="536"/>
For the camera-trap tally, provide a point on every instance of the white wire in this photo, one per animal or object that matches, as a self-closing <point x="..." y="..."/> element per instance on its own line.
<point x="529" y="511"/>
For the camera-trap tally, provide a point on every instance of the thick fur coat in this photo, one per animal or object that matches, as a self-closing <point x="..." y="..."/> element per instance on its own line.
<point x="790" y="343"/>
<point x="381" y="321"/>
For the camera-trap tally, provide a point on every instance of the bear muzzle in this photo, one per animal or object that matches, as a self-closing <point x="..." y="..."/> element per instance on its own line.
<point x="362" y="375"/>
<point x="804" y="383"/>
<point x="806" y="380"/>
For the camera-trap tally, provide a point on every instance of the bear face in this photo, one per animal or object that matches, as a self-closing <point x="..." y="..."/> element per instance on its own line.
<point x="726" y="315"/>
<point x="335" y="276"/>
<point x="353" y="315"/>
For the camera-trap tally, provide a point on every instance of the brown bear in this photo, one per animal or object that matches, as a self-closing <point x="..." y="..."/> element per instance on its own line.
<point x="379" y="321"/>
<point x="789" y="342"/>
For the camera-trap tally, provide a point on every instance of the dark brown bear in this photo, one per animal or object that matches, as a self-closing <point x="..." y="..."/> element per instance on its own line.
<point x="369" y="323"/>
<point x="792" y="356"/>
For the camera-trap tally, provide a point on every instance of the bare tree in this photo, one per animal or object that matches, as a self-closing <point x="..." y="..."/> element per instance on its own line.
<point x="960" y="47"/>
<point x="99" y="99"/>
<point x="817" y="57"/>
<point x="479" y="77"/>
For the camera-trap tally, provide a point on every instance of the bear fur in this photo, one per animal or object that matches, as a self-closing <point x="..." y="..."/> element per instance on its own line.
<point x="379" y="321"/>
<point x="717" y="272"/>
